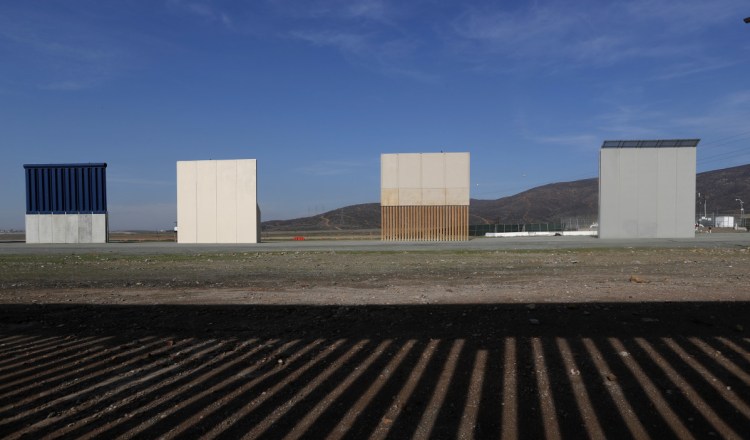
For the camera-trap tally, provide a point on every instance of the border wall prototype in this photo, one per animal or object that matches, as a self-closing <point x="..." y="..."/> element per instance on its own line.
<point x="425" y="196"/>
<point x="647" y="189"/>
<point x="66" y="203"/>
<point x="217" y="201"/>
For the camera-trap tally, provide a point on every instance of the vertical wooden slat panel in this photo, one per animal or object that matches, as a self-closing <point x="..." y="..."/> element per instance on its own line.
<point x="383" y="222"/>
<point x="411" y="226"/>
<point x="413" y="223"/>
<point x="456" y="219"/>
<point x="432" y="223"/>
<point x="452" y="223"/>
<point x="424" y="223"/>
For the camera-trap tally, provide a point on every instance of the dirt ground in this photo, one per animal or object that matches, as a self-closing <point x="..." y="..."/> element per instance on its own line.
<point x="598" y="343"/>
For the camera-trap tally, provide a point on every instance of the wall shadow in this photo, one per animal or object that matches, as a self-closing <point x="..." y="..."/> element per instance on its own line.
<point x="665" y="370"/>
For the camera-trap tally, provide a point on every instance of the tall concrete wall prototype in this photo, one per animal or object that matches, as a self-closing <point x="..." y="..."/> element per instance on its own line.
<point x="66" y="203"/>
<point x="217" y="201"/>
<point x="647" y="189"/>
<point x="425" y="196"/>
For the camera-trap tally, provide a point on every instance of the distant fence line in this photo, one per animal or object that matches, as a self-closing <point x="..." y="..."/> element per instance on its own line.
<point x="714" y="219"/>
<point x="565" y="224"/>
<point x="722" y="220"/>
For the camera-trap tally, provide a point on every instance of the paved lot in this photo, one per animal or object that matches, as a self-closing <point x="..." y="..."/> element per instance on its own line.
<point x="718" y="240"/>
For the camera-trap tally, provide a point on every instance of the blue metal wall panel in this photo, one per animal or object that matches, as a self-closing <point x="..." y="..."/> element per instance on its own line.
<point x="66" y="188"/>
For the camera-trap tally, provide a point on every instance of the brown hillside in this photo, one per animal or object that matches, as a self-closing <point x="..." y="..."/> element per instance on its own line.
<point x="543" y="204"/>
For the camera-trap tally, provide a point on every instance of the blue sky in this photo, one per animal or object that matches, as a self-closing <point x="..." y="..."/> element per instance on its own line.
<point x="316" y="90"/>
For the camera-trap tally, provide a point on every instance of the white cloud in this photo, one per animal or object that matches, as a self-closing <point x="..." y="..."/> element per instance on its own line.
<point x="570" y="35"/>
<point x="632" y="122"/>
<point x="693" y="68"/>
<point x="336" y="10"/>
<point x="203" y="9"/>
<point x="685" y="16"/>
<point x="727" y="115"/>
<point x="59" y="54"/>
<point x="347" y="42"/>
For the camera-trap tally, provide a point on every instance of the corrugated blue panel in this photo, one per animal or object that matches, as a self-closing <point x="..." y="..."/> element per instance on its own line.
<point x="66" y="188"/>
<point x="663" y="143"/>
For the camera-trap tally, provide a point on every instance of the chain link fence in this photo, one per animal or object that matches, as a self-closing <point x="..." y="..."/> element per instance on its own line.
<point x="565" y="224"/>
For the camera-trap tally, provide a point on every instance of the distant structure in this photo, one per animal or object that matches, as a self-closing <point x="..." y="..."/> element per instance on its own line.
<point x="647" y="189"/>
<point x="217" y="201"/>
<point x="424" y="196"/>
<point x="66" y="203"/>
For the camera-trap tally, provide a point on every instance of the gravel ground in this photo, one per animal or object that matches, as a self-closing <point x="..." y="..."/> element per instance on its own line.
<point x="477" y="341"/>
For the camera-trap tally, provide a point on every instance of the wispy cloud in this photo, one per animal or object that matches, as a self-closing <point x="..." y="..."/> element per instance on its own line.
<point x="633" y="122"/>
<point x="340" y="10"/>
<point x="371" y="49"/>
<point x="691" y="68"/>
<point x="562" y="34"/>
<point x="57" y="54"/>
<point x="203" y="9"/>
<point x="348" y="42"/>
<point x="727" y="115"/>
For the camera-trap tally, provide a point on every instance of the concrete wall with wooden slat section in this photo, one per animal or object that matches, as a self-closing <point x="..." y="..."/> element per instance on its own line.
<point x="424" y="196"/>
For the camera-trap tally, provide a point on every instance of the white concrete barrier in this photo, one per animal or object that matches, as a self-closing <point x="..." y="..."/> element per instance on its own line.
<point x="541" y="234"/>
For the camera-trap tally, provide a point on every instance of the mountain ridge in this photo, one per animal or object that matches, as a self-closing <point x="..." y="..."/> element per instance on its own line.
<point x="542" y="204"/>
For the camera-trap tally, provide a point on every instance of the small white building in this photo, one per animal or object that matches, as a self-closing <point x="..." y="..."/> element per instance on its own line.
<point x="725" y="221"/>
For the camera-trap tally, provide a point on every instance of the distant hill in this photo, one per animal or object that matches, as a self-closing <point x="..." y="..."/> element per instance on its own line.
<point x="543" y="204"/>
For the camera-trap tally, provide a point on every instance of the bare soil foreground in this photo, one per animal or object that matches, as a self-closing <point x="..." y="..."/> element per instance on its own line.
<point x="608" y="342"/>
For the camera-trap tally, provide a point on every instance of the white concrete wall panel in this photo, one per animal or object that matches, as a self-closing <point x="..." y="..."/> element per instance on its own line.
<point x="206" y="201"/>
<point x="410" y="170"/>
<point x="457" y="171"/>
<point x="389" y="197"/>
<point x="433" y="196"/>
<point x="647" y="195"/>
<point x="226" y="201"/>
<point x="389" y="171"/>
<point x="59" y="228"/>
<point x="410" y="197"/>
<point x="628" y="193"/>
<point x="457" y="196"/>
<point x="647" y="192"/>
<point x="685" y="210"/>
<point x="45" y="229"/>
<point x="433" y="172"/>
<point x="32" y="228"/>
<point x="609" y="191"/>
<point x="85" y="228"/>
<point x="66" y="228"/>
<point x="248" y="212"/>
<point x="666" y="189"/>
<point x="187" y="209"/>
<point x="429" y="179"/>
<point x="217" y="201"/>
<point x="71" y="228"/>
<point x="99" y="228"/>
